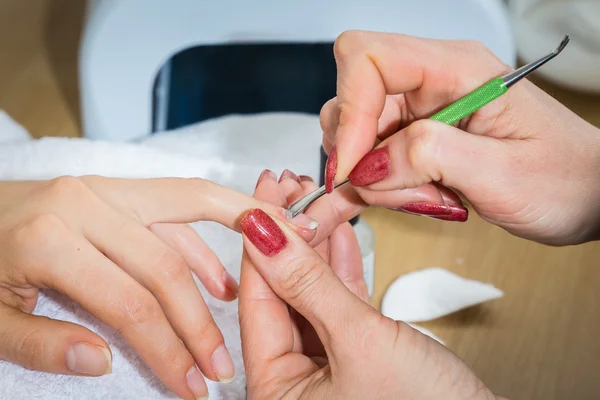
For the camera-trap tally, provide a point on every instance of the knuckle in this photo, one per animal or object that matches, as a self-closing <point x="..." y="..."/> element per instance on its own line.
<point x="66" y="187"/>
<point x="39" y="232"/>
<point x="170" y="270"/>
<point x="422" y="148"/>
<point x="303" y="280"/>
<point x="31" y="349"/>
<point x="346" y="43"/>
<point x="208" y="331"/>
<point x="139" y="309"/>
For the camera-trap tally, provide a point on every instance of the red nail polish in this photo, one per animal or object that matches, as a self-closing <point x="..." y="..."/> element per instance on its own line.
<point x="330" y="170"/>
<point x="458" y="214"/>
<point x="263" y="232"/>
<point x="373" y="167"/>
<point x="287" y="174"/>
<point x="266" y="174"/>
<point x="442" y="212"/>
<point x="306" y="178"/>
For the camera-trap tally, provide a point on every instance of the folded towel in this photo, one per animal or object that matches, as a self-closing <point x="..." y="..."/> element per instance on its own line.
<point x="231" y="151"/>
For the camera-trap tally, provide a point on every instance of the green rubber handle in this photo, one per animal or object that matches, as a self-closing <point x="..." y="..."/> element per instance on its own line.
<point x="471" y="102"/>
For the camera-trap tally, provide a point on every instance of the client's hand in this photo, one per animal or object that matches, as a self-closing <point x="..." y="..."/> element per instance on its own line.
<point x="309" y="334"/>
<point x="121" y="249"/>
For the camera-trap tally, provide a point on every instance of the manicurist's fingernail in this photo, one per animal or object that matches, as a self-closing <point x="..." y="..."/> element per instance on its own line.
<point x="263" y="232"/>
<point x="330" y="170"/>
<point x="439" y="211"/>
<point x="373" y="167"/>
<point x="87" y="359"/>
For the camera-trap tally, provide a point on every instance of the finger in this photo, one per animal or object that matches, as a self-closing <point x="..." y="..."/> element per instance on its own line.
<point x="180" y="200"/>
<point x="371" y="65"/>
<point x="290" y="186"/>
<point x="429" y="151"/>
<point x="346" y="260"/>
<point x="298" y="275"/>
<point x="264" y="318"/>
<point x="47" y="345"/>
<point x="165" y="273"/>
<point x="388" y="123"/>
<point x="200" y="258"/>
<point x="294" y="190"/>
<point x="56" y="258"/>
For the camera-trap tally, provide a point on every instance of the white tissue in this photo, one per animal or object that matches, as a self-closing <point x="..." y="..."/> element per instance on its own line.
<point x="10" y="130"/>
<point x="432" y="293"/>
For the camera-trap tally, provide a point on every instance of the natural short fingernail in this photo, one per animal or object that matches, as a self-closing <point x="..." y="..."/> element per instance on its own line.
<point x="304" y="221"/>
<point x="373" y="167"/>
<point x="196" y="383"/>
<point x="88" y="359"/>
<point x="266" y="174"/>
<point x="306" y="178"/>
<point x="230" y="283"/>
<point x="440" y="211"/>
<point x="223" y="364"/>
<point x="287" y="174"/>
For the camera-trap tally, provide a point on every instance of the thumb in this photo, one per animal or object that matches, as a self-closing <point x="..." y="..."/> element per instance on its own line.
<point x="300" y="277"/>
<point x="430" y="151"/>
<point x="47" y="345"/>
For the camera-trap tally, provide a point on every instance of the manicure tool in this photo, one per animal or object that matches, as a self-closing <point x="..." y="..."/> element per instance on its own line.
<point x="456" y="111"/>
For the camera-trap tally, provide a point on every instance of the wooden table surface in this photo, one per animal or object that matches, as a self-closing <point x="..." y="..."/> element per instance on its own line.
<point x="541" y="341"/>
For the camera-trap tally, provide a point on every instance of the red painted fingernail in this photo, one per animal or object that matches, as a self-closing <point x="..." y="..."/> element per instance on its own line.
<point x="373" y="167"/>
<point x="287" y="174"/>
<point x="266" y="174"/>
<point x="263" y="232"/>
<point x="330" y="170"/>
<point x="439" y="211"/>
<point x="458" y="214"/>
<point x="306" y="178"/>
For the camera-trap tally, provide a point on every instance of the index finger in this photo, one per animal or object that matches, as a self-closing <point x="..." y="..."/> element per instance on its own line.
<point x="372" y="65"/>
<point x="185" y="200"/>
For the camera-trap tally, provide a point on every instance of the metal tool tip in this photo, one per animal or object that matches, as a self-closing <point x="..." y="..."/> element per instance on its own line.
<point x="562" y="44"/>
<point x="289" y="214"/>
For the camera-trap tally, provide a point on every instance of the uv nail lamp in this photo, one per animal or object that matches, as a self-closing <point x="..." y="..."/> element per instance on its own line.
<point x="154" y="65"/>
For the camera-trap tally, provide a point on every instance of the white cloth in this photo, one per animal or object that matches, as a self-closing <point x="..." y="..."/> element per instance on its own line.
<point x="231" y="151"/>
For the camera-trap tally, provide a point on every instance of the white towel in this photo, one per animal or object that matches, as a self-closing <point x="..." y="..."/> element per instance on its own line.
<point x="231" y="151"/>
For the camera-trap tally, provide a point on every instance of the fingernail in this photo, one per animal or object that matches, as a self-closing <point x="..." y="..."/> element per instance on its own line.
<point x="196" y="383"/>
<point x="457" y="214"/>
<point x="266" y="174"/>
<point x="306" y="178"/>
<point x="330" y="170"/>
<point x="305" y="221"/>
<point x="230" y="284"/>
<point x="373" y="167"/>
<point x="263" y="232"/>
<point x="287" y="174"/>
<point x="443" y="212"/>
<point x="223" y="364"/>
<point x="88" y="359"/>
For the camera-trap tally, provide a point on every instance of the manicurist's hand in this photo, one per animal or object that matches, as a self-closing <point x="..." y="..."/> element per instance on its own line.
<point x="308" y="331"/>
<point x="525" y="162"/>
<point x="122" y="250"/>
